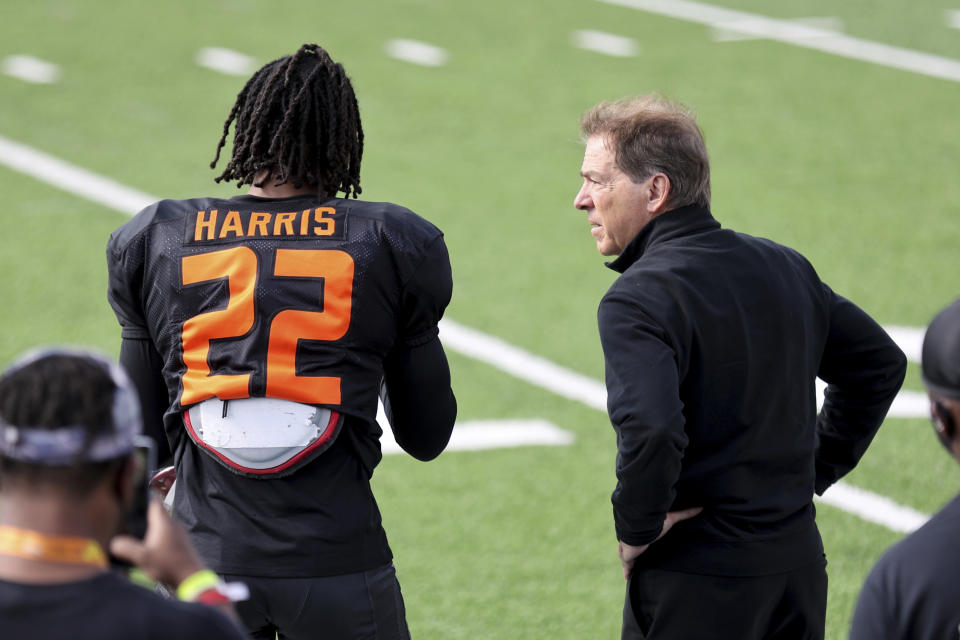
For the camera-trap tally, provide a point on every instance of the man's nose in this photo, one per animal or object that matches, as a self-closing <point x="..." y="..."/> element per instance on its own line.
<point x="581" y="200"/>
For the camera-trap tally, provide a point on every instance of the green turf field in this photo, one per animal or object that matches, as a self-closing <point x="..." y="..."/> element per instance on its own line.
<point x="852" y="163"/>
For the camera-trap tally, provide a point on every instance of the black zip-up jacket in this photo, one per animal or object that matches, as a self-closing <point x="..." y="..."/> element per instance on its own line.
<point x="713" y="340"/>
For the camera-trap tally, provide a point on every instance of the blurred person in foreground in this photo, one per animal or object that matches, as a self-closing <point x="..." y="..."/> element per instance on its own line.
<point x="260" y="330"/>
<point x="68" y="475"/>
<point x="913" y="593"/>
<point x="713" y="340"/>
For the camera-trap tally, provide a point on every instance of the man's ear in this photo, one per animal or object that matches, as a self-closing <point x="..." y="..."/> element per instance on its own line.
<point x="659" y="193"/>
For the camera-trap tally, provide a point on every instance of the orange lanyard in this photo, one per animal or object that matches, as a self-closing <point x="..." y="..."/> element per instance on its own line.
<point x="32" y="545"/>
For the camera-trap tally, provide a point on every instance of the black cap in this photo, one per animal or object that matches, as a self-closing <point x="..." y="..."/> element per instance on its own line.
<point x="941" y="353"/>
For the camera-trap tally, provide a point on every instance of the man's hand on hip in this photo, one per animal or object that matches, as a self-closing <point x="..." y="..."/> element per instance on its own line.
<point x="629" y="553"/>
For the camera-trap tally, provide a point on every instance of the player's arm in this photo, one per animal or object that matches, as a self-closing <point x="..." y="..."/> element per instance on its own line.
<point x="863" y="368"/>
<point x="418" y="400"/>
<point x="137" y="354"/>
<point x="643" y="400"/>
<point x="145" y="368"/>
<point x="416" y="391"/>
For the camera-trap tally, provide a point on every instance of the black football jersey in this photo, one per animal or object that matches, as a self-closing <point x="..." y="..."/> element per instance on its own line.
<point x="294" y="298"/>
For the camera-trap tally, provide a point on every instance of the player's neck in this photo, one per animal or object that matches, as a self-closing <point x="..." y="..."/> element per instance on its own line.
<point x="272" y="190"/>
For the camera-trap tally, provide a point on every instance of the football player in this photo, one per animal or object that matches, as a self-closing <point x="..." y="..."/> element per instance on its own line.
<point x="260" y="331"/>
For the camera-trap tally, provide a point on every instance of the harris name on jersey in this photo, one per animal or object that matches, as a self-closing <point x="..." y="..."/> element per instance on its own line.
<point x="215" y="225"/>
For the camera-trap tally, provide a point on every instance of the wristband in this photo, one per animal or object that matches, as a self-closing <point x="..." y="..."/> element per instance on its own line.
<point x="213" y="597"/>
<point x="196" y="583"/>
<point x="206" y="587"/>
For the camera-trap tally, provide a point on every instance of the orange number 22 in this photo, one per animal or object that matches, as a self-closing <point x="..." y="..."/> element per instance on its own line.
<point x="239" y="267"/>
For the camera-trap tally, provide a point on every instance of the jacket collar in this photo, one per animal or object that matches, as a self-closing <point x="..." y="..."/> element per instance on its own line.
<point x="672" y="224"/>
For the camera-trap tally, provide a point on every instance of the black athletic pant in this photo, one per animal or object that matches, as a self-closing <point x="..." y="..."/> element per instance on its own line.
<point x="365" y="605"/>
<point x="672" y="605"/>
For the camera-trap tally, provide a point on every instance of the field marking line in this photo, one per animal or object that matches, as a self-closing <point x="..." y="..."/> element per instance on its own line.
<point x="226" y="61"/>
<point x="416" y="52"/>
<point x="909" y="339"/>
<point x="873" y="507"/>
<point x="523" y="364"/>
<point x="71" y="178"/>
<point x="732" y="33"/>
<point x="952" y="17"/>
<point x="479" y="435"/>
<point x="801" y="35"/>
<point x="471" y="343"/>
<point x="606" y="43"/>
<point x="30" y="69"/>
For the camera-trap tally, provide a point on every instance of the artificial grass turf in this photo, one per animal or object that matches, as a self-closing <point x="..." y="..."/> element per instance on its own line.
<point x="851" y="163"/>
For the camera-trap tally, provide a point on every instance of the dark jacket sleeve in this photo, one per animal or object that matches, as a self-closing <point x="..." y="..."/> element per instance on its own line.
<point x="863" y="368"/>
<point x="643" y="400"/>
<point x="416" y="392"/>
<point x="143" y="364"/>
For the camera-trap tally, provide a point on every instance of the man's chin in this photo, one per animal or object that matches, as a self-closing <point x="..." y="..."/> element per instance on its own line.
<point x="605" y="249"/>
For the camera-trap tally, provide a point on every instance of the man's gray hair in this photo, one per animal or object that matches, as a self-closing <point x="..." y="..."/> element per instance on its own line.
<point x="650" y="134"/>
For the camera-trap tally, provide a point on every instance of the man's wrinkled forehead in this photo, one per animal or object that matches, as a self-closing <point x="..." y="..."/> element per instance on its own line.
<point x="598" y="157"/>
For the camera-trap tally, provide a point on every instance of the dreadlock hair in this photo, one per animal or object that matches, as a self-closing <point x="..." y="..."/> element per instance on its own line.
<point x="52" y="392"/>
<point x="298" y="118"/>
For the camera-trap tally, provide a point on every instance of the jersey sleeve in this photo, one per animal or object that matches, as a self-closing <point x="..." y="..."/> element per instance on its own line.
<point x="418" y="399"/>
<point x="143" y="364"/>
<point x="416" y="392"/>
<point x="125" y="279"/>
<point x="426" y="295"/>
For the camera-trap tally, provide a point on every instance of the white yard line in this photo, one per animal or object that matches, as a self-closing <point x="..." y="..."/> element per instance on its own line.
<point x="227" y="61"/>
<point x="952" y="17"/>
<point x="30" y="69"/>
<point x="469" y="342"/>
<point x="477" y="435"/>
<point x="907" y="404"/>
<point x="910" y="339"/>
<point x="421" y="53"/>
<point x="910" y="404"/>
<point x="732" y="33"/>
<point x="524" y="365"/>
<point x="874" y="508"/>
<point x="72" y="178"/>
<point x="801" y="35"/>
<point x="606" y="43"/>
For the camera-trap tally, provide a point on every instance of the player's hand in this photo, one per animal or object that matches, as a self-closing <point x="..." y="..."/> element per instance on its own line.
<point x="165" y="553"/>
<point x="629" y="553"/>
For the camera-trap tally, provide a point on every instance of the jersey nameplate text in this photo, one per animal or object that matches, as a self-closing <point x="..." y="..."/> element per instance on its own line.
<point x="217" y="225"/>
